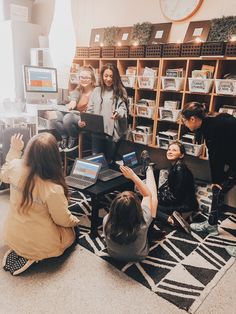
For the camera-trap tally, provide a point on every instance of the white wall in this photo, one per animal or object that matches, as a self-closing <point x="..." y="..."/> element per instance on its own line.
<point x="88" y="14"/>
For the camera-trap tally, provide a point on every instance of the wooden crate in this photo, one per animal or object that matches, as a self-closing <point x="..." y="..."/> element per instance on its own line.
<point x="191" y="49"/>
<point x="137" y="51"/>
<point x="171" y="50"/>
<point x="213" y="49"/>
<point x="122" y="52"/>
<point x="94" y="52"/>
<point x="108" y="52"/>
<point x="153" y="51"/>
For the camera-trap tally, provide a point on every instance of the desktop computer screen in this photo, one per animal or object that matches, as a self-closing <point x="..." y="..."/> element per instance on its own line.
<point x="40" y="83"/>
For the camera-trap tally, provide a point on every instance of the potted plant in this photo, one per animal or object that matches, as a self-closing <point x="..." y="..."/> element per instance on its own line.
<point x="110" y="35"/>
<point x="141" y="33"/>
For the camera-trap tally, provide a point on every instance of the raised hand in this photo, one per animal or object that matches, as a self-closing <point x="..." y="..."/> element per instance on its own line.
<point x="127" y="172"/>
<point x="17" y="142"/>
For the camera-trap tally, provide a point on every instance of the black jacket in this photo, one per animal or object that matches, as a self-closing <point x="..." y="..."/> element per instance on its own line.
<point x="179" y="189"/>
<point x="220" y="135"/>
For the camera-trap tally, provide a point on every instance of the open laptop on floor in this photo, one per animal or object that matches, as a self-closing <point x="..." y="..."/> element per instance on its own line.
<point x="130" y="160"/>
<point x="94" y="122"/>
<point x="105" y="174"/>
<point x="83" y="174"/>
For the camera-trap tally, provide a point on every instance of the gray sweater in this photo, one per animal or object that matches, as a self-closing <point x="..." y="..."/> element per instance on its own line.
<point x="115" y="128"/>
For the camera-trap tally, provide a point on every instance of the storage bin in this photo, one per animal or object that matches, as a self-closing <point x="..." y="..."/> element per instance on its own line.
<point x="193" y="149"/>
<point x="199" y="85"/>
<point x="225" y="87"/>
<point x="144" y="111"/>
<point x="213" y="49"/>
<point x="82" y="52"/>
<point x="171" y="50"/>
<point x="122" y="52"/>
<point x="148" y="82"/>
<point x="191" y="49"/>
<point x="172" y="83"/>
<point x="230" y="50"/>
<point x="94" y="52"/>
<point x="136" y="51"/>
<point x="169" y="114"/>
<point x="128" y="80"/>
<point x="142" y="138"/>
<point x="153" y="51"/>
<point x="108" y="52"/>
<point x="131" y="109"/>
<point x="163" y="142"/>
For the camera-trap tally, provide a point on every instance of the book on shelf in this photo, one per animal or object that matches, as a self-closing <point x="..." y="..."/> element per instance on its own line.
<point x="169" y="134"/>
<point x="146" y="102"/>
<point x="149" y="72"/>
<point x="131" y="71"/>
<point x="171" y="104"/>
<point x="179" y="72"/>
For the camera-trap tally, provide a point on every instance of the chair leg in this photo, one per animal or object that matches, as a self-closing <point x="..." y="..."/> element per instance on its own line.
<point x="80" y="145"/>
<point x="65" y="164"/>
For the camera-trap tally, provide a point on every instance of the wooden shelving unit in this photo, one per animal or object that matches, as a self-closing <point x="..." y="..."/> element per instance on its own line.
<point x="222" y="66"/>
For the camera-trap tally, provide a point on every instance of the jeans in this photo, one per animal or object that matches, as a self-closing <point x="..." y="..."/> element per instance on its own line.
<point x="67" y="124"/>
<point x="105" y="144"/>
<point x="218" y="197"/>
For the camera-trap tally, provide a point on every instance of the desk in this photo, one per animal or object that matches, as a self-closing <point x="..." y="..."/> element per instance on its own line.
<point x="98" y="190"/>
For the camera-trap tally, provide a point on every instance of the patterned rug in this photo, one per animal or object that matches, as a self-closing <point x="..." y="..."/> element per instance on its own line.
<point x="182" y="268"/>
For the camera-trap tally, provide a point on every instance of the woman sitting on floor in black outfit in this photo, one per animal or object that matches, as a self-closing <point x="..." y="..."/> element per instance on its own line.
<point x="176" y="197"/>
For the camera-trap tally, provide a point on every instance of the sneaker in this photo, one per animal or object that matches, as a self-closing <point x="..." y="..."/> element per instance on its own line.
<point x="205" y="226"/>
<point x="63" y="143"/>
<point x="20" y="265"/>
<point x="9" y="259"/>
<point x="145" y="161"/>
<point x="72" y="143"/>
<point x="231" y="250"/>
<point x="180" y="222"/>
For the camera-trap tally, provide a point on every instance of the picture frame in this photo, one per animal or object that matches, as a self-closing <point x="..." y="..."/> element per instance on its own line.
<point x="96" y="37"/>
<point x="124" y="35"/>
<point x="160" y="33"/>
<point x="197" y="29"/>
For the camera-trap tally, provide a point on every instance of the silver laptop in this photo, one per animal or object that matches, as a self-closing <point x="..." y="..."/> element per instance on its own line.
<point x="105" y="174"/>
<point x="83" y="174"/>
<point x="130" y="160"/>
<point x="94" y="122"/>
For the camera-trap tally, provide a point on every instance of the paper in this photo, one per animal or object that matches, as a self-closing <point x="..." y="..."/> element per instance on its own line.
<point x="97" y="38"/>
<point x="198" y="31"/>
<point x="159" y="34"/>
<point x="125" y="36"/>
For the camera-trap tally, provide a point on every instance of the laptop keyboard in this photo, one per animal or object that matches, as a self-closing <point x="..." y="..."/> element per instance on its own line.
<point x="80" y="183"/>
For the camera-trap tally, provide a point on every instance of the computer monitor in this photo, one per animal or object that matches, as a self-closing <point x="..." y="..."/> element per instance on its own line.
<point x="40" y="84"/>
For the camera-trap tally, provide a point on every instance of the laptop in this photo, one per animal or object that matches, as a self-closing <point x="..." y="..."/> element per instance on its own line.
<point x="94" y="122"/>
<point x="130" y="160"/>
<point x="83" y="174"/>
<point x="105" y="174"/>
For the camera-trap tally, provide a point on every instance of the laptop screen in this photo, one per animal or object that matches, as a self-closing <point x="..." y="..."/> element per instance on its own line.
<point x="99" y="159"/>
<point x="130" y="159"/>
<point x="87" y="169"/>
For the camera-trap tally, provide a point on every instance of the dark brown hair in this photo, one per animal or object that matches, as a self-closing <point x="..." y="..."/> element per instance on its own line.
<point x="43" y="160"/>
<point x="194" y="109"/>
<point x="180" y="145"/>
<point x="119" y="90"/>
<point x="125" y="218"/>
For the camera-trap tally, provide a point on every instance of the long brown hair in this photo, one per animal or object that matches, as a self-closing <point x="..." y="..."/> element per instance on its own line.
<point x="125" y="218"/>
<point x="43" y="160"/>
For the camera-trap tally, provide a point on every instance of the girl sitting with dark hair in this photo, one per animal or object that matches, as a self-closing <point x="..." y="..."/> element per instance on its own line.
<point x="126" y="226"/>
<point x="39" y="224"/>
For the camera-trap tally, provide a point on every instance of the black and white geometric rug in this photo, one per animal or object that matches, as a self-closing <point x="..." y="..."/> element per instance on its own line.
<point x="182" y="268"/>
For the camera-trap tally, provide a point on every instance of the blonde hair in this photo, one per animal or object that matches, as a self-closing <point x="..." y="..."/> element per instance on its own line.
<point x="87" y="68"/>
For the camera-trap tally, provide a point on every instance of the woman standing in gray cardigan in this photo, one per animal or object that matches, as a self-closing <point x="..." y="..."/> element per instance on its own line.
<point x="110" y="101"/>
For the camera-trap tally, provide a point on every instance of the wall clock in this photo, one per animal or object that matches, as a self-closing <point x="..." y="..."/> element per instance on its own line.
<point x="179" y="10"/>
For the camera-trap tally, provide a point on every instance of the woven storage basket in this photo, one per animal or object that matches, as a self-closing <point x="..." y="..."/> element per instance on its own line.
<point x="213" y="49"/>
<point x="82" y="52"/>
<point x="108" y="52"/>
<point x="94" y="52"/>
<point x="122" y="52"/>
<point x="171" y="50"/>
<point x="191" y="49"/>
<point x="153" y="51"/>
<point x="136" y="51"/>
<point x="230" y="50"/>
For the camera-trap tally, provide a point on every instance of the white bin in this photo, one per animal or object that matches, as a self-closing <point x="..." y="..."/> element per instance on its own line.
<point x="193" y="149"/>
<point x="128" y="80"/>
<point x="144" y="111"/>
<point x="169" y="114"/>
<point x="148" y="82"/>
<point x="142" y="138"/>
<point x="199" y="85"/>
<point x="172" y="83"/>
<point x="225" y="87"/>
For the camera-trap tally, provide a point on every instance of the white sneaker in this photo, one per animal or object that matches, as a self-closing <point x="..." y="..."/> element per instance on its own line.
<point x="205" y="226"/>
<point x="231" y="250"/>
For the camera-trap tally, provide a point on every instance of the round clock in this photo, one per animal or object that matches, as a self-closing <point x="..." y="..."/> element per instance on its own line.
<point x="179" y="10"/>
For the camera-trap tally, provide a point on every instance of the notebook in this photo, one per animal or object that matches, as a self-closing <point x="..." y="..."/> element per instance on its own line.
<point x="130" y="160"/>
<point x="83" y="174"/>
<point x="105" y="173"/>
<point x="94" y="122"/>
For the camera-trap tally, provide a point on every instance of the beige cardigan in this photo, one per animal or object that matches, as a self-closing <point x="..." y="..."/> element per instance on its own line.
<point x="47" y="230"/>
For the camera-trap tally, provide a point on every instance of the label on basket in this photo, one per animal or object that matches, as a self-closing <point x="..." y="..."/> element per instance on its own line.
<point x="225" y="87"/>
<point x="198" y="85"/>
